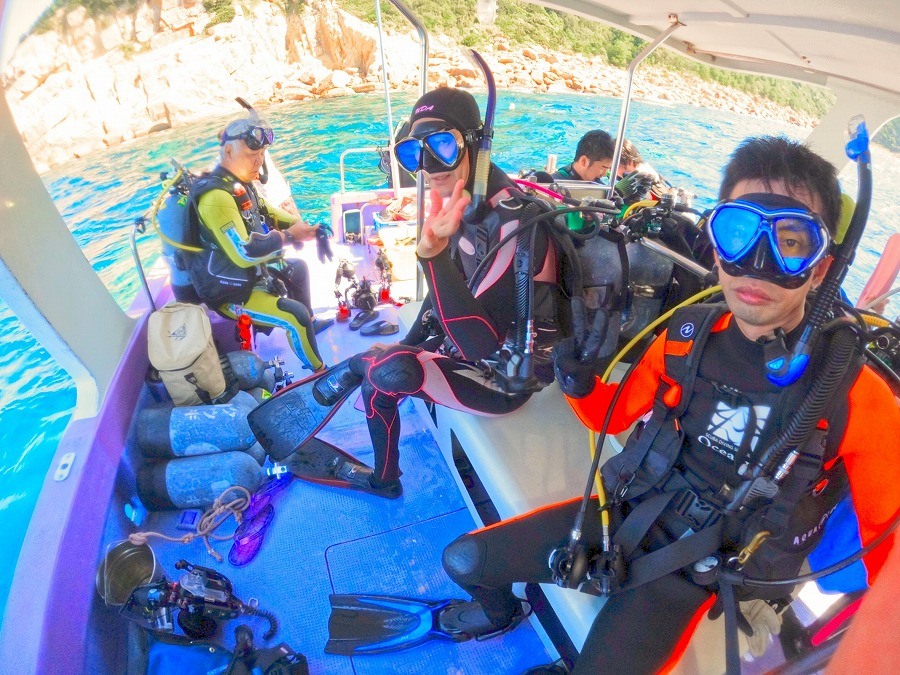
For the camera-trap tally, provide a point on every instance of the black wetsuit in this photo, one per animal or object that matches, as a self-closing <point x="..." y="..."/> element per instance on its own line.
<point x="471" y="326"/>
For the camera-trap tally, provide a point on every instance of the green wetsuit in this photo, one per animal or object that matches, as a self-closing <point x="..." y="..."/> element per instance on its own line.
<point x="244" y="238"/>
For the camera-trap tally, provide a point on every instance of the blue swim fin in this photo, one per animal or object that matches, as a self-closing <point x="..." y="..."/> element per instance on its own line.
<point x="296" y="413"/>
<point x="375" y="624"/>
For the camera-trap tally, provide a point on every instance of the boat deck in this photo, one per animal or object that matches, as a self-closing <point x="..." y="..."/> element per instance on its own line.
<point x="325" y="540"/>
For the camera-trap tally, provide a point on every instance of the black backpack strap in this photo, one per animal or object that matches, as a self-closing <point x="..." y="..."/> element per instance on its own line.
<point x="646" y="463"/>
<point x="688" y="330"/>
<point x="197" y="186"/>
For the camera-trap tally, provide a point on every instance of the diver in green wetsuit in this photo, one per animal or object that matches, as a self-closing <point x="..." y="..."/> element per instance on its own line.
<point x="241" y="269"/>
<point x="593" y="158"/>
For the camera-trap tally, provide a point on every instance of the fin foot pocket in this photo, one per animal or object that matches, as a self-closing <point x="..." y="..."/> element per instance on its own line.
<point x="376" y="624"/>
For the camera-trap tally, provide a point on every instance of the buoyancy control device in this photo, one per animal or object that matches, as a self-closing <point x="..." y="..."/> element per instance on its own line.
<point x="199" y="271"/>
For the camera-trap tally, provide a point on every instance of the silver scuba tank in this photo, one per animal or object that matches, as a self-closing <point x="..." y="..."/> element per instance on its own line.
<point x="196" y="482"/>
<point x="164" y="432"/>
<point x="650" y="276"/>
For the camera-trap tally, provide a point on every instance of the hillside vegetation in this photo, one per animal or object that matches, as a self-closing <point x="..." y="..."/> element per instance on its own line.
<point x="527" y="24"/>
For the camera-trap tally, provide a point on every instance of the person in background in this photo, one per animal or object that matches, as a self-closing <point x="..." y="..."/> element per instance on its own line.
<point x="634" y="168"/>
<point x="593" y="158"/>
<point x="241" y="269"/>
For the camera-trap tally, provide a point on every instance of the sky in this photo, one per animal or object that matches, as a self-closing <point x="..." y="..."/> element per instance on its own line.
<point x="17" y="17"/>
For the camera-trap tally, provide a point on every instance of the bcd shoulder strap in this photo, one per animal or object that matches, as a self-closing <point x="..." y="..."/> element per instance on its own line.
<point x="648" y="457"/>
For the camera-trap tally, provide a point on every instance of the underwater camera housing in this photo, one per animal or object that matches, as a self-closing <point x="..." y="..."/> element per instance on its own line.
<point x="362" y="296"/>
<point x="359" y="293"/>
<point x="203" y="596"/>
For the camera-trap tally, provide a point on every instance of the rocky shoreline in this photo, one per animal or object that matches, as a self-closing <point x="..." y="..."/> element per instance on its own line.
<point x="96" y="83"/>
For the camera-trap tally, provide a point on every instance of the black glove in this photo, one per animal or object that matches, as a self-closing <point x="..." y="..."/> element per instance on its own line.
<point x="634" y="186"/>
<point x="323" y="245"/>
<point x="576" y="359"/>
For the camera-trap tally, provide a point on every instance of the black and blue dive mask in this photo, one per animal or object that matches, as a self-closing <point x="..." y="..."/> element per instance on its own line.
<point x="770" y="237"/>
<point x="433" y="148"/>
<point x="254" y="134"/>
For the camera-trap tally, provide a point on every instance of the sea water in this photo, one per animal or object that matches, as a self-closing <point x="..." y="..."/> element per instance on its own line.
<point x="100" y="197"/>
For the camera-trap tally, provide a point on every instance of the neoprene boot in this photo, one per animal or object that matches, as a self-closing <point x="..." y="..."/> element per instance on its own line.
<point x="359" y="476"/>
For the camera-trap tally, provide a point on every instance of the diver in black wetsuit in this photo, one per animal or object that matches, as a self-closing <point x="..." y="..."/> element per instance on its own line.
<point x="457" y="327"/>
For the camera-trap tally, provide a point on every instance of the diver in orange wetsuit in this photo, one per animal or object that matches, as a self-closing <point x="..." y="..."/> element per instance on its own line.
<point x="712" y="413"/>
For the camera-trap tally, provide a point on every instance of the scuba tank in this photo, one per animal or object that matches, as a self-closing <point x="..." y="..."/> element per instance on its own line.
<point x="173" y="220"/>
<point x="164" y="433"/>
<point x="196" y="482"/>
<point x="650" y="276"/>
<point x="251" y="371"/>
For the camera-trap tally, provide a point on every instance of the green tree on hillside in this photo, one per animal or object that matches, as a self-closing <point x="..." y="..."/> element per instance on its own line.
<point x="527" y="24"/>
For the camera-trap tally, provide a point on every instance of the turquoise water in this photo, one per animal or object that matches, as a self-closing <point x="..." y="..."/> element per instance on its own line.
<point x="100" y="196"/>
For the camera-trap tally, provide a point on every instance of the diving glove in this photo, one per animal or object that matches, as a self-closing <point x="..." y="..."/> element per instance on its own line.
<point x="578" y="360"/>
<point x="323" y="245"/>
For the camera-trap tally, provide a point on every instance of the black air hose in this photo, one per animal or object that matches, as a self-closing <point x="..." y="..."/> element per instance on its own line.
<point x="273" y="622"/>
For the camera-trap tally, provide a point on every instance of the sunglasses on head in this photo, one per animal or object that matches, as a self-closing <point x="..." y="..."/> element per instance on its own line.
<point x="797" y="238"/>
<point x="435" y="152"/>
<point x="255" y="137"/>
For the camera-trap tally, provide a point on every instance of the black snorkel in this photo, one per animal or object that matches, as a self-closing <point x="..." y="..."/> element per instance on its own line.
<point x="475" y="210"/>
<point x="263" y="170"/>
<point x="785" y="368"/>
<point x="517" y="369"/>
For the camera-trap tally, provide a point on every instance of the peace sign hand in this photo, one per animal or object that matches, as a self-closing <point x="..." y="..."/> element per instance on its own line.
<point x="442" y="221"/>
<point x="577" y="360"/>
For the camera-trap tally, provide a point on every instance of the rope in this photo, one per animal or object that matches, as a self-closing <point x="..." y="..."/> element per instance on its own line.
<point x="209" y="522"/>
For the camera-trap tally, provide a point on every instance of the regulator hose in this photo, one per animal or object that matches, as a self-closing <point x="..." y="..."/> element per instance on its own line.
<point x="273" y="622"/>
<point x="800" y="426"/>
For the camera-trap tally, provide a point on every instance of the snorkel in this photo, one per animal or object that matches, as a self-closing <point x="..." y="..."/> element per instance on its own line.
<point x="785" y="368"/>
<point x="483" y="161"/>
<point x="256" y="119"/>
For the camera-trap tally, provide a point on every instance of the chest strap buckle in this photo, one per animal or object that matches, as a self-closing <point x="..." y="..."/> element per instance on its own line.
<point x="697" y="511"/>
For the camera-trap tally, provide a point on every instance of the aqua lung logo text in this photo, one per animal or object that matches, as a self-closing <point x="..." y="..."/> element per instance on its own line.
<point x="812" y="532"/>
<point x="728" y="427"/>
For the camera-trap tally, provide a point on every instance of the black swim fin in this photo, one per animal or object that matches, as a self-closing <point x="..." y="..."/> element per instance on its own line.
<point x="296" y="413"/>
<point x="375" y="624"/>
<point x="320" y="462"/>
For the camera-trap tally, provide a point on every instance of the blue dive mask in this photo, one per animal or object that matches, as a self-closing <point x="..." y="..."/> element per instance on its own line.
<point x="770" y="237"/>
<point x="433" y="151"/>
